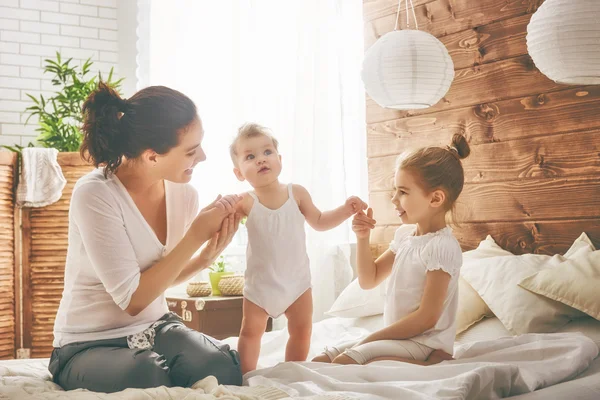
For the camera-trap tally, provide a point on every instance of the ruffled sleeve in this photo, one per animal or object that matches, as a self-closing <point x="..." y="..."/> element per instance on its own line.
<point x="402" y="233"/>
<point x="443" y="252"/>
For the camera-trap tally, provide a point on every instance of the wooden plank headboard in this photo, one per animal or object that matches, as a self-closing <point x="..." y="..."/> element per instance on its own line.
<point x="533" y="177"/>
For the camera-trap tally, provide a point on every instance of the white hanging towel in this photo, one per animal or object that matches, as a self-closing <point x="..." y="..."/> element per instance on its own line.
<point x="41" y="181"/>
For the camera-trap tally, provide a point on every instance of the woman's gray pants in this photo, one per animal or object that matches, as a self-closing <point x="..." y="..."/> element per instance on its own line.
<point x="181" y="356"/>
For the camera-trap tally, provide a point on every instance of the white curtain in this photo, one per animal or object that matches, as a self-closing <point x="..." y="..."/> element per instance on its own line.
<point x="287" y="64"/>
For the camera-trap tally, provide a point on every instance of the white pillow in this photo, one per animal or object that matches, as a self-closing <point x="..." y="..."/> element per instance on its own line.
<point x="487" y="248"/>
<point x="496" y="280"/>
<point x="492" y="329"/>
<point x="574" y="282"/>
<point x="582" y="243"/>
<point x="356" y="302"/>
<point x="471" y="308"/>
<point x="486" y="329"/>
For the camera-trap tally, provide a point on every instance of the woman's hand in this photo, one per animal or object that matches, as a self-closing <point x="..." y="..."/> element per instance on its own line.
<point x="220" y="240"/>
<point x="227" y="203"/>
<point x="363" y="223"/>
<point x="210" y="219"/>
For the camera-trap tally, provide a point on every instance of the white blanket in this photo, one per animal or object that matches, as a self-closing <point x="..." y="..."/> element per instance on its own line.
<point x="30" y="380"/>
<point x="483" y="370"/>
<point x="486" y="369"/>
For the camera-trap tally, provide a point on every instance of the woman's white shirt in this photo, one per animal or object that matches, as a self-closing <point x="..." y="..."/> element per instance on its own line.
<point x="110" y="245"/>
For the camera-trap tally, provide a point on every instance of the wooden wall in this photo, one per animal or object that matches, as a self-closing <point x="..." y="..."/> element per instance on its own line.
<point x="45" y="233"/>
<point x="8" y="256"/>
<point x="533" y="177"/>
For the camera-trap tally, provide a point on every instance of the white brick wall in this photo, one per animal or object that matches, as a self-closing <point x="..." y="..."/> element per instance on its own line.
<point x="33" y="30"/>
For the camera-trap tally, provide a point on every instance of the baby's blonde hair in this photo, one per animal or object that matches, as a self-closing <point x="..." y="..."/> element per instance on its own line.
<point x="439" y="167"/>
<point x="247" y="131"/>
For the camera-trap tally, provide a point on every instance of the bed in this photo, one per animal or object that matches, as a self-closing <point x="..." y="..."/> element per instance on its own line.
<point x="22" y="379"/>
<point x="498" y="353"/>
<point x="386" y="378"/>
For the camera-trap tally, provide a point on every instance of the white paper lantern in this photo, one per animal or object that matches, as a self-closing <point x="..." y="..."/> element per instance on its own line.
<point x="407" y="70"/>
<point x="563" y="39"/>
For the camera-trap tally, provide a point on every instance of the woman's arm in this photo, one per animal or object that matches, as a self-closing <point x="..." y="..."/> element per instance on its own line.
<point x="97" y="217"/>
<point x="325" y="220"/>
<point x="211" y="251"/>
<point x="425" y="317"/>
<point x="162" y="275"/>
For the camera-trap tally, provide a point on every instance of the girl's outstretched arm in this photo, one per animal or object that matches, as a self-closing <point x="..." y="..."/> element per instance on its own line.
<point x="325" y="220"/>
<point x="422" y="319"/>
<point x="370" y="272"/>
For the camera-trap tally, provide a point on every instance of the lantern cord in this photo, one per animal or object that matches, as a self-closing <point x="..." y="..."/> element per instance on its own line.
<point x="412" y="7"/>
<point x="397" y="15"/>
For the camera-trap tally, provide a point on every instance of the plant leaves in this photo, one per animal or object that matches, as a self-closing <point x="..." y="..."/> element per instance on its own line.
<point x="60" y="114"/>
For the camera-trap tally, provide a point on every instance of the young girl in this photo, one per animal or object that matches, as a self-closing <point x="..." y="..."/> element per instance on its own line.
<point x="423" y="263"/>
<point x="278" y="277"/>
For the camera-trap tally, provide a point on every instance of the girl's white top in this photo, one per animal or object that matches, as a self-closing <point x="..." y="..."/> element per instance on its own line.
<point x="110" y="244"/>
<point x="415" y="255"/>
<point x="277" y="265"/>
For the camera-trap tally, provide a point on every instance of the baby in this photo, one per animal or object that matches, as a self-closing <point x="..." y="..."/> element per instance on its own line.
<point x="278" y="277"/>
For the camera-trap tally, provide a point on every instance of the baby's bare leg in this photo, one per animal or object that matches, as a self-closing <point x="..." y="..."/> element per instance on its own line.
<point x="254" y="323"/>
<point x="299" y="316"/>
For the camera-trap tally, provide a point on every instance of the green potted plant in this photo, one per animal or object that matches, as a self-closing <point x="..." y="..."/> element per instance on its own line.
<point x="218" y="270"/>
<point x="59" y="116"/>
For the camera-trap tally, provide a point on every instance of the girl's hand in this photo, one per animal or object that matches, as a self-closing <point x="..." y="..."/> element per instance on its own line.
<point x="363" y="223"/>
<point x="220" y="240"/>
<point x="354" y="205"/>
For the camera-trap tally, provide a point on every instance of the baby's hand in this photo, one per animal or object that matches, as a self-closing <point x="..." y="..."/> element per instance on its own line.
<point x="362" y="224"/>
<point x="355" y="204"/>
<point x="227" y="204"/>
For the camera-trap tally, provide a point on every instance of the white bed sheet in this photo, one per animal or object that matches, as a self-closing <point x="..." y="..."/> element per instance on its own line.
<point x="520" y="367"/>
<point x="585" y="386"/>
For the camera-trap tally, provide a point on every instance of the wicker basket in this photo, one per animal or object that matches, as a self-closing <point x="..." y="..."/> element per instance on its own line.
<point x="232" y="285"/>
<point x="198" y="289"/>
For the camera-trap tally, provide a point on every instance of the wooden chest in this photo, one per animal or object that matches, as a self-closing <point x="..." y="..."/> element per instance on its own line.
<point x="219" y="317"/>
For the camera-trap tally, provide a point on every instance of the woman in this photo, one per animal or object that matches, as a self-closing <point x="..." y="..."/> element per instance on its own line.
<point x="134" y="228"/>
